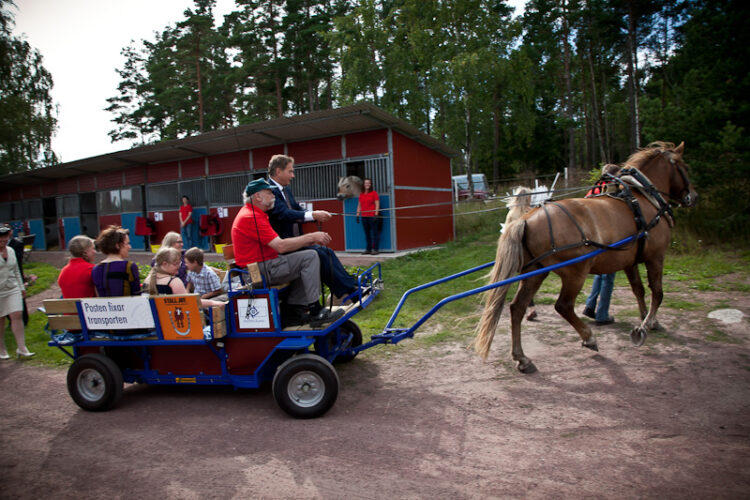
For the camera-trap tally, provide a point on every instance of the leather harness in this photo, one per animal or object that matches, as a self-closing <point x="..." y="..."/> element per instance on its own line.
<point x="626" y="178"/>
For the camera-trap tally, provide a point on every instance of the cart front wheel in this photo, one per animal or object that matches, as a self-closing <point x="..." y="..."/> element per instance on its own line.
<point x="348" y="327"/>
<point x="95" y="382"/>
<point x="306" y="386"/>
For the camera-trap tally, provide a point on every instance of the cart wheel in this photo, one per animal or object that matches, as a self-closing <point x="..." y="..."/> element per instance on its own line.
<point x="305" y="386"/>
<point x="348" y="327"/>
<point x="95" y="382"/>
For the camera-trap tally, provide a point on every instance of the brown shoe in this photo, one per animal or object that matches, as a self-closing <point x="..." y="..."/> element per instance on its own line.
<point x="531" y="316"/>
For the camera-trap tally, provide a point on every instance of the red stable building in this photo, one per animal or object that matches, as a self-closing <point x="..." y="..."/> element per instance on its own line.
<point x="411" y="172"/>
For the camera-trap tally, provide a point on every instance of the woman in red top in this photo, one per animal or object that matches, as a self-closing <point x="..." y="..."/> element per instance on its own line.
<point x="75" y="278"/>
<point x="369" y="208"/>
<point x="186" y="222"/>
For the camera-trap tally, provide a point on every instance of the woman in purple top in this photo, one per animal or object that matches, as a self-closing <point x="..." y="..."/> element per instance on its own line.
<point x="115" y="276"/>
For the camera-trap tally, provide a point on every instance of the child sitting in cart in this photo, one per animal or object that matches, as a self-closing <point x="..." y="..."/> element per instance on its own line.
<point x="201" y="278"/>
<point x="163" y="280"/>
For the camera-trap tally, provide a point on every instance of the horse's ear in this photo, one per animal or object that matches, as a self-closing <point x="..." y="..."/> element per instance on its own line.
<point x="679" y="150"/>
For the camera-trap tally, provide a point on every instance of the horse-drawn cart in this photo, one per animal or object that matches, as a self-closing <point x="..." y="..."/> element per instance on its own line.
<point x="166" y="340"/>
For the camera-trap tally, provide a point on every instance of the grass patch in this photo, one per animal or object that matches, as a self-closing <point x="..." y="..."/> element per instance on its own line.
<point x="36" y="341"/>
<point x="717" y="335"/>
<point x="46" y="275"/>
<point x="682" y="305"/>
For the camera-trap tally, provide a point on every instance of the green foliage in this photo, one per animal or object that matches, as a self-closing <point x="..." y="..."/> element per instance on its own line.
<point x="46" y="275"/>
<point x="27" y="113"/>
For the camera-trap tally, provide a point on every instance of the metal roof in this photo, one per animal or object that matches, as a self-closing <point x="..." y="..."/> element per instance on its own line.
<point x="356" y="118"/>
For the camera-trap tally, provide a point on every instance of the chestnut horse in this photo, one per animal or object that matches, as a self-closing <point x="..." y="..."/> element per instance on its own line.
<point x="563" y="230"/>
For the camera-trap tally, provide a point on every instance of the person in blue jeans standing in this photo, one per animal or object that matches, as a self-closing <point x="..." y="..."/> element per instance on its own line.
<point x="601" y="290"/>
<point x="186" y="222"/>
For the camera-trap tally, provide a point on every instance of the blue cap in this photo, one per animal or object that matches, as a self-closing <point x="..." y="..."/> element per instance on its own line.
<point x="257" y="185"/>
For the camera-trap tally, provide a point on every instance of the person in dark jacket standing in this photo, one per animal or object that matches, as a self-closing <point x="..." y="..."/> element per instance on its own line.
<point x="286" y="217"/>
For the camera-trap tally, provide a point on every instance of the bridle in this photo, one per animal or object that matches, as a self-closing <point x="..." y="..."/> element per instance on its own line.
<point x="686" y="199"/>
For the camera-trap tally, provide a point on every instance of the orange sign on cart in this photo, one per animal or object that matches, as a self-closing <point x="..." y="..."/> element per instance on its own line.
<point x="179" y="317"/>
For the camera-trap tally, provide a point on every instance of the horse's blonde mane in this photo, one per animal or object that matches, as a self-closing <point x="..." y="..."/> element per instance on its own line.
<point x="640" y="157"/>
<point x="519" y="204"/>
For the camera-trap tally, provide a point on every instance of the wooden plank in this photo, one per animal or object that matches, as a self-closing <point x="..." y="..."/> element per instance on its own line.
<point x="219" y="316"/>
<point x="61" y="306"/>
<point x="67" y="322"/>
<point x="255" y="276"/>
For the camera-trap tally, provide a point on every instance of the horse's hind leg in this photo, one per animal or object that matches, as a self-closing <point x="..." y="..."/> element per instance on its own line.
<point x="565" y="306"/>
<point x="518" y="306"/>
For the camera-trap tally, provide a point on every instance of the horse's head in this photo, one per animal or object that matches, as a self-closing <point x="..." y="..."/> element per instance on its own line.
<point x="349" y="187"/>
<point x="664" y="166"/>
<point x="681" y="190"/>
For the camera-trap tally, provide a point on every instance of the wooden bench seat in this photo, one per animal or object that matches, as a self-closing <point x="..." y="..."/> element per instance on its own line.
<point x="62" y="314"/>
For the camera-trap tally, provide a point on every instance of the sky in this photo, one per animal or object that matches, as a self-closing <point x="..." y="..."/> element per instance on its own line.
<point x="80" y="42"/>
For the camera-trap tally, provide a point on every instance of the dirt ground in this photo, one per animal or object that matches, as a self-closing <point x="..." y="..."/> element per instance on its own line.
<point x="668" y="420"/>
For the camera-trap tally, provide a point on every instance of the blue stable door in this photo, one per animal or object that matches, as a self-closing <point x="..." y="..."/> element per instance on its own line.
<point x="355" y="234"/>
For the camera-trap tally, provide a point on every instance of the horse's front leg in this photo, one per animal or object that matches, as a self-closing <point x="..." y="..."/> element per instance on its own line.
<point x="636" y="285"/>
<point x="518" y="306"/>
<point x="572" y="282"/>
<point x="654" y="270"/>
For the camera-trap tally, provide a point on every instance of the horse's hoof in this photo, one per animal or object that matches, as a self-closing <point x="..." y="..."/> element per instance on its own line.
<point x="657" y="327"/>
<point x="527" y="368"/>
<point x="593" y="347"/>
<point x="638" y="336"/>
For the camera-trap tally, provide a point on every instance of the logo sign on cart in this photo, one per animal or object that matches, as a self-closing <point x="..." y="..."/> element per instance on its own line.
<point x="179" y="317"/>
<point x="253" y="314"/>
<point x="117" y="313"/>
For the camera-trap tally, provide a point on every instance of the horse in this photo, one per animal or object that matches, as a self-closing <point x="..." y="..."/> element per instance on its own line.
<point x="519" y="204"/>
<point x="563" y="230"/>
<point x="349" y="187"/>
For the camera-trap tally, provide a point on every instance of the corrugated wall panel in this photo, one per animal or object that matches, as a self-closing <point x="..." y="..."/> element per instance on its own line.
<point x="162" y="172"/>
<point x="135" y="176"/>
<point x="49" y="189"/>
<point x="109" y="220"/>
<point x="418" y="165"/>
<point x="68" y="186"/>
<point x="367" y="143"/>
<point x="261" y="156"/>
<point x="107" y="180"/>
<point x="31" y="192"/>
<point x="228" y="163"/>
<point x="429" y="225"/>
<point x="195" y="167"/>
<point x="328" y="148"/>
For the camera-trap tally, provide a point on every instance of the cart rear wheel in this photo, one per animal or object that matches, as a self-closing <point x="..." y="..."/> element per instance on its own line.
<point x="306" y="386"/>
<point x="95" y="382"/>
<point x="348" y="327"/>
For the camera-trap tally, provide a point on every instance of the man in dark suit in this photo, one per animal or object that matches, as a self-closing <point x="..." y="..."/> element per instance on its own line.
<point x="286" y="217"/>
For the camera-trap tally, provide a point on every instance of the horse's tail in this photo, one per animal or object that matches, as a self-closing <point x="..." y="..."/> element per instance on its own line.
<point x="508" y="263"/>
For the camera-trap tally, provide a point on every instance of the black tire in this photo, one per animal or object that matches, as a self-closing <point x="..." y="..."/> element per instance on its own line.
<point x="95" y="382"/>
<point x="305" y="386"/>
<point x="347" y="327"/>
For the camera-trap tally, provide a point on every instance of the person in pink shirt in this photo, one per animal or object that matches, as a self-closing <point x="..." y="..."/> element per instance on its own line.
<point x="186" y="222"/>
<point x="369" y="209"/>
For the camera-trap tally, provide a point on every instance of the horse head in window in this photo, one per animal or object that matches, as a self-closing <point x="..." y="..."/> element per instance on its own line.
<point x="349" y="187"/>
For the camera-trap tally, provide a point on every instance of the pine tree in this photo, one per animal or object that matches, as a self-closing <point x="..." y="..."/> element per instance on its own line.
<point x="27" y="113"/>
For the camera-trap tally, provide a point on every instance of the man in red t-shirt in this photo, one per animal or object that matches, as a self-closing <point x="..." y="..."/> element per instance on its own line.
<point x="254" y="240"/>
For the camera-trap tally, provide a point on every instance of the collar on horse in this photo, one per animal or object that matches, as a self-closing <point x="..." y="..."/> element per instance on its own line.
<point x="627" y="177"/>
